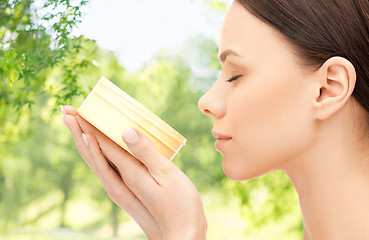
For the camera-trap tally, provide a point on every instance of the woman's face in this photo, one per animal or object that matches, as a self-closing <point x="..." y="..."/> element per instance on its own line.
<point x="262" y="119"/>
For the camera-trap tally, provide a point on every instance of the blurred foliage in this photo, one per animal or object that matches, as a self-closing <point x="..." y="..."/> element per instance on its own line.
<point x="42" y="65"/>
<point x="33" y="40"/>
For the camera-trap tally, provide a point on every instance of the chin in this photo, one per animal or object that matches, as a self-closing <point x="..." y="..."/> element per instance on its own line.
<point x="242" y="173"/>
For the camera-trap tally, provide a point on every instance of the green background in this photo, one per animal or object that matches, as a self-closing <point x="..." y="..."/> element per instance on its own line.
<point x="48" y="192"/>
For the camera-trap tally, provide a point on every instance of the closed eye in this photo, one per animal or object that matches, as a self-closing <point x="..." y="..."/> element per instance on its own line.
<point x="233" y="78"/>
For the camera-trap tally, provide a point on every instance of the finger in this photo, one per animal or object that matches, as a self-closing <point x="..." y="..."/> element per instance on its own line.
<point x="144" y="150"/>
<point x="76" y="131"/>
<point x="133" y="172"/>
<point x="103" y="170"/>
<point x="108" y="145"/>
<point x="100" y="137"/>
<point x="88" y="127"/>
<point x="68" y="110"/>
<point x="118" y="191"/>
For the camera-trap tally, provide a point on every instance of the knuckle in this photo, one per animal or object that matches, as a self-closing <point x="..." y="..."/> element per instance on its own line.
<point x="102" y="170"/>
<point x="117" y="195"/>
<point x="143" y="151"/>
<point x="112" y="195"/>
<point x="129" y="179"/>
<point x="131" y="182"/>
<point x="163" y="170"/>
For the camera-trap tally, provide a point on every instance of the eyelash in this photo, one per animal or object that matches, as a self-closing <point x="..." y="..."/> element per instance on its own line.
<point x="233" y="78"/>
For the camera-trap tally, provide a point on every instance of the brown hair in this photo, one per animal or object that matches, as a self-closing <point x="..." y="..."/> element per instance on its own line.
<point x="321" y="29"/>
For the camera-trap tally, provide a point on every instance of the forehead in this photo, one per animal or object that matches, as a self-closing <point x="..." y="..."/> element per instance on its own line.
<point x="246" y="34"/>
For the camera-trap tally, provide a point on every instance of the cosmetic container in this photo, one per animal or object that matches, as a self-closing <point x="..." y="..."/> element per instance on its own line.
<point x="111" y="110"/>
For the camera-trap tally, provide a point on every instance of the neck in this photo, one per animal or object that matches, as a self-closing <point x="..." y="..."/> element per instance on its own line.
<point x="332" y="182"/>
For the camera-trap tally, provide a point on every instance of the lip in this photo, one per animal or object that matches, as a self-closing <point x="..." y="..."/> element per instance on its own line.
<point x="221" y="140"/>
<point x="220" y="136"/>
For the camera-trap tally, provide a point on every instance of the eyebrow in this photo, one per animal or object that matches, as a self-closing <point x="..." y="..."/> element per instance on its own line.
<point x="223" y="56"/>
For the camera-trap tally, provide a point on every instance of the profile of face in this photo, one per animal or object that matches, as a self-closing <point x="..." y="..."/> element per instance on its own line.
<point x="261" y="104"/>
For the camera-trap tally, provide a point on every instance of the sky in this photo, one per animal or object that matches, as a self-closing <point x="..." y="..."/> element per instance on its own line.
<point x="136" y="29"/>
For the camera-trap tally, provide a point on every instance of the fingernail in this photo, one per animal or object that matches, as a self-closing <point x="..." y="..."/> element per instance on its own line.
<point x="130" y="136"/>
<point x="62" y="109"/>
<point x="62" y="118"/>
<point x="84" y="139"/>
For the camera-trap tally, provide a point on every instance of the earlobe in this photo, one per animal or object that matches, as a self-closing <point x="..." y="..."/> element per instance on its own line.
<point x="336" y="83"/>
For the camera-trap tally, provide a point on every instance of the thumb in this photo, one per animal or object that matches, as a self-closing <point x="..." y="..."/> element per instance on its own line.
<point x="144" y="150"/>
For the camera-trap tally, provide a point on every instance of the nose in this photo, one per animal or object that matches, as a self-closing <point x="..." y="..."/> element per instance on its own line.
<point x="212" y="103"/>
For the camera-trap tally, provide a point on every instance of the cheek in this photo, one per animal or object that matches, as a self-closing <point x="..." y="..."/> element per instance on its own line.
<point x="270" y="124"/>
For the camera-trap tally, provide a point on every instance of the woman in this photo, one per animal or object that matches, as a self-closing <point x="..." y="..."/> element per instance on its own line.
<point x="293" y="95"/>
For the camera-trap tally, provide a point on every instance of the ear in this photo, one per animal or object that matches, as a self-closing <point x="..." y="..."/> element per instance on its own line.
<point x="337" y="78"/>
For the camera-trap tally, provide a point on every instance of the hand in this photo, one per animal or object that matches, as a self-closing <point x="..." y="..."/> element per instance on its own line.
<point x="159" y="197"/>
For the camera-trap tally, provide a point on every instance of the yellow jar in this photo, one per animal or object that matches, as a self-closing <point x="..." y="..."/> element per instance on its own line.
<point x="112" y="111"/>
